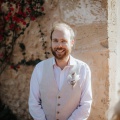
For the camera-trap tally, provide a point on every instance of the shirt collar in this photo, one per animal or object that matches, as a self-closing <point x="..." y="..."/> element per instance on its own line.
<point x="70" y="63"/>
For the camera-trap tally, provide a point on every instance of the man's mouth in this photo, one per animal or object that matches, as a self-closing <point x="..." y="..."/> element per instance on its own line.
<point x="60" y="51"/>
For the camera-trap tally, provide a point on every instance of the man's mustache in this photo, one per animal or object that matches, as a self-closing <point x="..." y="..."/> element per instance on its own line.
<point x="59" y="49"/>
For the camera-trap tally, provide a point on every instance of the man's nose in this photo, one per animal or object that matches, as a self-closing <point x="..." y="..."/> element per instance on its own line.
<point x="60" y="44"/>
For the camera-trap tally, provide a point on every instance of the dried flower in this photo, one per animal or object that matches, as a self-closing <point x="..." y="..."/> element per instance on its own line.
<point x="73" y="79"/>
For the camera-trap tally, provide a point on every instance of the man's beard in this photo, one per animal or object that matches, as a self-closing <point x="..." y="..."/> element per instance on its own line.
<point x="60" y="56"/>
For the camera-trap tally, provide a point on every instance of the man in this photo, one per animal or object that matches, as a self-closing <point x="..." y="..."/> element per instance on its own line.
<point x="60" y="87"/>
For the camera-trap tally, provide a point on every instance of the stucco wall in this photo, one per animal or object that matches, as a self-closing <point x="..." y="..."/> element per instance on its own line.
<point x="89" y="20"/>
<point x="114" y="53"/>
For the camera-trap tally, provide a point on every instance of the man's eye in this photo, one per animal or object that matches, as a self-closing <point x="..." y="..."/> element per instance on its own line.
<point x="64" y="41"/>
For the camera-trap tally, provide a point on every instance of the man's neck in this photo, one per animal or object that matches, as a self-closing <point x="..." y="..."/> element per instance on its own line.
<point x="62" y="63"/>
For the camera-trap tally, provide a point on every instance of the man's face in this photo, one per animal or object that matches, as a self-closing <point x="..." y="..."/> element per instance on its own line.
<point x="61" y="43"/>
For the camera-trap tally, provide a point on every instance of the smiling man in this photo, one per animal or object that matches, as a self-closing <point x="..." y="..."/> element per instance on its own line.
<point x="60" y="87"/>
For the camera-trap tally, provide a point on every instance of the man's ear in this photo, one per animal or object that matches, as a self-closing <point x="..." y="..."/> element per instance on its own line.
<point x="72" y="42"/>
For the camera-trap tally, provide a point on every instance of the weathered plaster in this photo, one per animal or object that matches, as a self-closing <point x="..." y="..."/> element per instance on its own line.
<point x="77" y="12"/>
<point x="112" y="33"/>
<point x="114" y="54"/>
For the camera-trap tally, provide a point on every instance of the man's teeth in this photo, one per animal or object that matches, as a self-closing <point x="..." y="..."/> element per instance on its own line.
<point x="60" y="51"/>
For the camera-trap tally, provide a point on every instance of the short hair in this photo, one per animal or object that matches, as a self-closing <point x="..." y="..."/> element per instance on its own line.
<point x="58" y="25"/>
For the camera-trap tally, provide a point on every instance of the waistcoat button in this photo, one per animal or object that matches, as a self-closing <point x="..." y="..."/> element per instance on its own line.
<point x="58" y="112"/>
<point x="59" y="97"/>
<point x="58" y="104"/>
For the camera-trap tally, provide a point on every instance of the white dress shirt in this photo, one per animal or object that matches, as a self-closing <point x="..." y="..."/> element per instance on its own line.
<point x="82" y="112"/>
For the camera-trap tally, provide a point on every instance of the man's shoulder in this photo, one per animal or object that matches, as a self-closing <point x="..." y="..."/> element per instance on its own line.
<point x="49" y="59"/>
<point x="81" y="63"/>
<point x="44" y="61"/>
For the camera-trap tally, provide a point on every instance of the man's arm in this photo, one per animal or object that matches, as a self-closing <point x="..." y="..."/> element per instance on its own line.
<point x="34" y="98"/>
<point x="83" y="110"/>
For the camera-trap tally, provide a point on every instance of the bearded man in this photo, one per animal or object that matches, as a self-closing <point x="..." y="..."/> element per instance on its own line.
<point x="60" y="87"/>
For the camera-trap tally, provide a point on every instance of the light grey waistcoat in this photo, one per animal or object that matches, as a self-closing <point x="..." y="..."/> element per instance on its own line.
<point x="58" y="105"/>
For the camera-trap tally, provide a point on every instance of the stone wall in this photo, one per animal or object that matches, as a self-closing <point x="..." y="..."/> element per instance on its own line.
<point x="114" y="53"/>
<point x="89" y="20"/>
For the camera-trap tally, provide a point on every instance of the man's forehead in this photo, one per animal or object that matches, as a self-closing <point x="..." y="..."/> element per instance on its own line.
<point x="61" y="33"/>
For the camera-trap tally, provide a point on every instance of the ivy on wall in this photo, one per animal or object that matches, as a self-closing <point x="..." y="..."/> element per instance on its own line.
<point x="15" y="17"/>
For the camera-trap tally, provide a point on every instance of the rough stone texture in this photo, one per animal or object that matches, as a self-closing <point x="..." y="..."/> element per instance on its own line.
<point x="112" y="33"/>
<point x="114" y="53"/>
<point x="14" y="90"/>
<point x="83" y="11"/>
<point x="89" y="20"/>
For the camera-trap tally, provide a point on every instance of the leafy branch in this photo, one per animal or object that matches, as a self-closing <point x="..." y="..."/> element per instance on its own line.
<point x="15" y="17"/>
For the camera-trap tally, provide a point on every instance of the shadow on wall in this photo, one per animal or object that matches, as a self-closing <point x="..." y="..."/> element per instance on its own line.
<point x="6" y="113"/>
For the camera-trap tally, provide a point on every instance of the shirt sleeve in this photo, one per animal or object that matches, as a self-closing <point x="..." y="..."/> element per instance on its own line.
<point x="34" y="97"/>
<point x="83" y="110"/>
